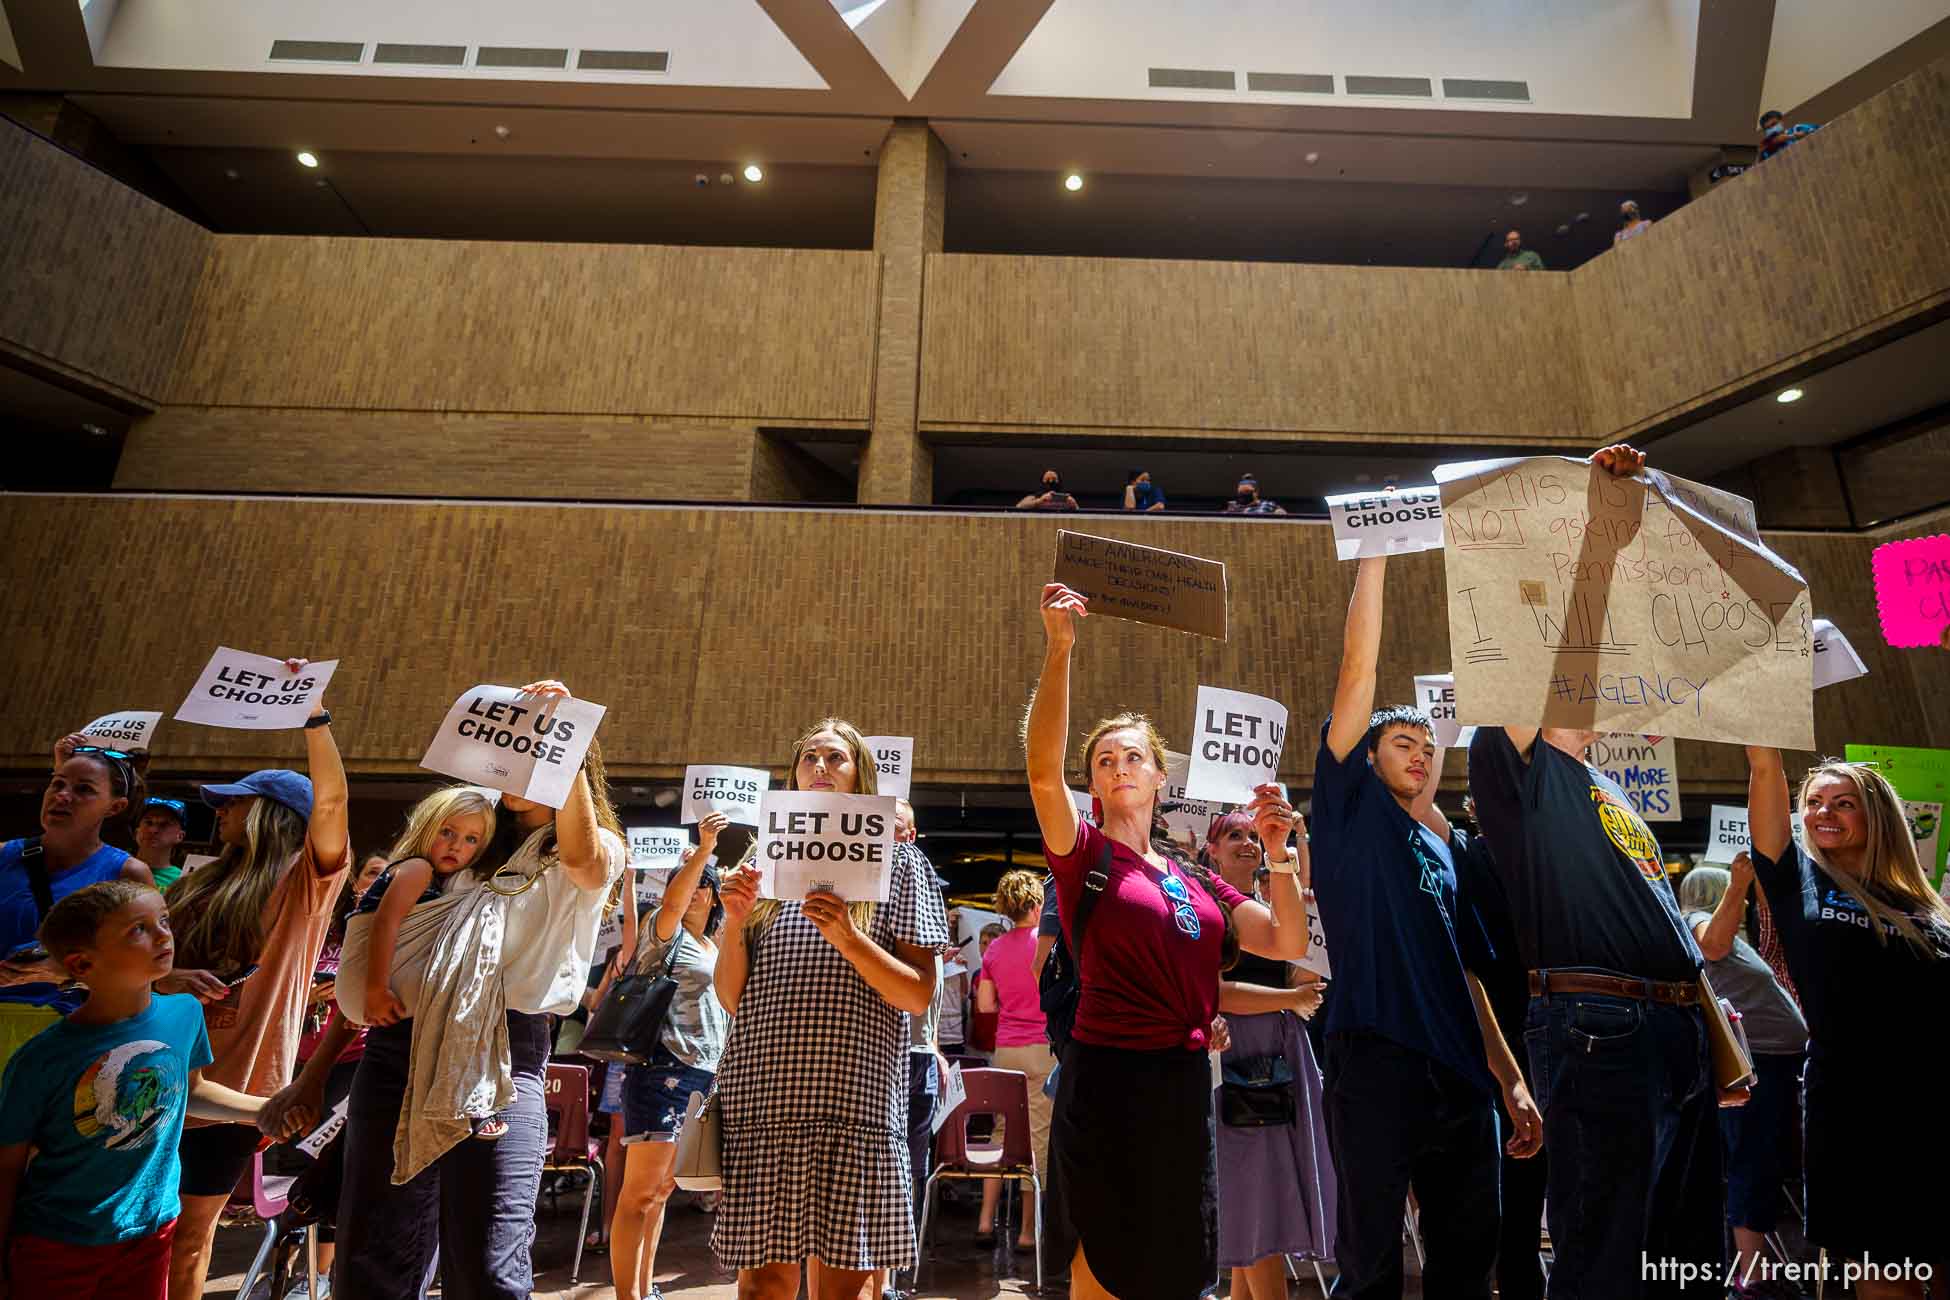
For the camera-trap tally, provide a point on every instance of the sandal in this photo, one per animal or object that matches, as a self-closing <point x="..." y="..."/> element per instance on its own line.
<point x="491" y="1128"/>
<point x="595" y="1243"/>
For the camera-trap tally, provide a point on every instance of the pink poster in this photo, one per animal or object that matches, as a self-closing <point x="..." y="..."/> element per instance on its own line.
<point x="1913" y="591"/>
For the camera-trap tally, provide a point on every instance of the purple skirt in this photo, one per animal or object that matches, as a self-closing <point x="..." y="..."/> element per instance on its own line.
<point x="1276" y="1184"/>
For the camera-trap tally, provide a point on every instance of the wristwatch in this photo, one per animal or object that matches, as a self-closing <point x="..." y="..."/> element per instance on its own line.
<point x="323" y="718"/>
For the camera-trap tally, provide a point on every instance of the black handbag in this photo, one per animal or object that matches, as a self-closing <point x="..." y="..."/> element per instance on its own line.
<point x="1257" y="1092"/>
<point x="626" y="1026"/>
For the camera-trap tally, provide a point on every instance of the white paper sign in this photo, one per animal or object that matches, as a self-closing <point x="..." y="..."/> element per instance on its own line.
<point x="1387" y="522"/>
<point x="953" y="1093"/>
<point x="1084" y="803"/>
<point x="1316" y="958"/>
<point x="521" y="744"/>
<point x="652" y="847"/>
<point x="1645" y="768"/>
<point x="191" y="861"/>
<point x="733" y="791"/>
<point x="1236" y="743"/>
<point x="127" y="731"/>
<point x="1727" y="837"/>
<point x="840" y="843"/>
<point x="1435" y="695"/>
<point x="250" y="692"/>
<point x="1835" y="658"/>
<point x="893" y="756"/>
<point x="334" y="1124"/>
<point x="1187" y="818"/>
<point x="609" y="935"/>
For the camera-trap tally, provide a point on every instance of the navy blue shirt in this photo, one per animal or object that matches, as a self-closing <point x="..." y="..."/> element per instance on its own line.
<point x="1399" y="933"/>
<point x="20" y="914"/>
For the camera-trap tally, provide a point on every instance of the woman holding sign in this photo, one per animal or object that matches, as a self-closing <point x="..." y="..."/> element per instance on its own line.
<point x="1151" y="931"/>
<point x="814" y="1077"/>
<point x="248" y="930"/>
<point x="1868" y="941"/>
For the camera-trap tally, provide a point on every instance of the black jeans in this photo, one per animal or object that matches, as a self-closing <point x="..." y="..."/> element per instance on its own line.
<point x="1631" y="1124"/>
<point x="1519" y="1275"/>
<point x="1397" y="1119"/>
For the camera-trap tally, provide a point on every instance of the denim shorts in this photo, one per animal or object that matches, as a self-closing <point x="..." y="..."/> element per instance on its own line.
<point x="611" y="1100"/>
<point x="656" y="1094"/>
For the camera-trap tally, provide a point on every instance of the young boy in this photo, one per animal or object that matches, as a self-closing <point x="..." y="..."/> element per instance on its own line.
<point x="92" y="1108"/>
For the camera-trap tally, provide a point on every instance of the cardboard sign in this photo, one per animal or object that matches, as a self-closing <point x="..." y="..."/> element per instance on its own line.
<point x="1727" y="836"/>
<point x="1646" y="769"/>
<point x="1919" y="775"/>
<point x="654" y="847"/>
<point x="893" y="759"/>
<point x="125" y="731"/>
<point x="1144" y="584"/>
<point x="248" y="692"/>
<point x="1316" y="958"/>
<point x="1640" y="605"/>
<point x="840" y="843"/>
<point x="1435" y="695"/>
<point x="1187" y="818"/>
<point x="1236" y="744"/>
<point x="523" y="745"/>
<point x="733" y="791"/>
<point x="1913" y="591"/>
<point x="1835" y="658"/>
<point x="1386" y="522"/>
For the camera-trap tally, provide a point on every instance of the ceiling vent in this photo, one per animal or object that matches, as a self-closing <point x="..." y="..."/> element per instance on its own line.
<point x="1508" y="92"/>
<point x="1291" y="83"/>
<point x="623" y="60"/>
<point x="1193" y="79"/>
<point x="431" y="56"/>
<point x="1398" y="87"/>
<point x="318" y="51"/>
<point x="519" y="56"/>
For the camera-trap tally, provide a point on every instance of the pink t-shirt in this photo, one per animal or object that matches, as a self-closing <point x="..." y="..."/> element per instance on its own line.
<point x="1010" y="965"/>
<point x="1147" y="985"/>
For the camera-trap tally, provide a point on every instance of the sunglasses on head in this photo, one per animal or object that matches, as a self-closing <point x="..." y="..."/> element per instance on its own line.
<point x="105" y="752"/>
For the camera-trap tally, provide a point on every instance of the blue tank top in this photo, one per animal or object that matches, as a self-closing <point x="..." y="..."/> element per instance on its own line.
<point x="20" y="915"/>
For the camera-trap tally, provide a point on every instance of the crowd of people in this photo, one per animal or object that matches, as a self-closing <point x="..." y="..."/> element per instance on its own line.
<point x="1141" y="495"/>
<point x="1516" y="1032"/>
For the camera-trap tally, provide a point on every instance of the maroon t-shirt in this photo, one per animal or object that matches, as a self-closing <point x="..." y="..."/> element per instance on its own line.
<point x="1147" y="985"/>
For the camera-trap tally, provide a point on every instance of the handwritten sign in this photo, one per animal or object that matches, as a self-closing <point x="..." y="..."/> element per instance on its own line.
<point x="1316" y="958"/>
<point x="840" y="843"/>
<point x="1919" y="775"/>
<point x="1435" y="695"/>
<point x="1835" y="658"/>
<point x="1144" y="584"/>
<point x="1913" y="591"/>
<point x="1236" y="744"/>
<point x="248" y="692"/>
<point x="893" y="760"/>
<point x="1727" y="834"/>
<point x="1187" y="819"/>
<point x="1646" y="769"/>
<point x="525" y="745"/>
<point x="1580" y="599"/>
<point x="654" y="847"/>
<point x="125" y="731"/>
<point x="733" y="791"/>
<point x="1386" y="523"/>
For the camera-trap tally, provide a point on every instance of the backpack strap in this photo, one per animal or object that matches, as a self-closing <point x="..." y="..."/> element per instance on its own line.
<point x="31" y="862"/>
<point x="1094" y="881"/>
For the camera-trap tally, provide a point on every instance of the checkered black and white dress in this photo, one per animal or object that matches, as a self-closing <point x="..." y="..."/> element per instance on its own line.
<point x="813" y="1087"/>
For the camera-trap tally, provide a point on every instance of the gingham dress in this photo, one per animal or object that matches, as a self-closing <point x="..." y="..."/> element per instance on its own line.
<point x="813" y="1087"/>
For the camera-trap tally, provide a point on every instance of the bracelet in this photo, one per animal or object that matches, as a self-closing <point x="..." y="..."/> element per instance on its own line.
<point x="1288" y="868"/>
<point x="322" y="719"/>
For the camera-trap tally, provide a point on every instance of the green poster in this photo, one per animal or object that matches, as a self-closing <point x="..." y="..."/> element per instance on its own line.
<point x="1920" y="776"/>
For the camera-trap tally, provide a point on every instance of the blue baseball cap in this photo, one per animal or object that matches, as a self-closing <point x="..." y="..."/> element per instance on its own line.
<point x="174" y="807"/>
<point x="292" y="789"/>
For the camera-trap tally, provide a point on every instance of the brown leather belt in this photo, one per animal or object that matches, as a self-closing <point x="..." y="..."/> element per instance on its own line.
<point x="1543" y="983"/>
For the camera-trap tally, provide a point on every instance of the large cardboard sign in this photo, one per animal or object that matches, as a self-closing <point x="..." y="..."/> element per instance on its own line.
<point x="1835" y="659"/>
<point x="1144" y="584"/>
<point x="893" y="760"/>
<point x="1435" y="695"/>
<point x="127" y="731"/>
<point x="1913" y="591"/>
<point x="840" y="843"/>
<point x="1387" y="522"/>
<point x="1646" y="769"/>
<point x="525" y="745"/>
<point x="1727" y="836"/>
<point x="1645" y="605"/>
<point x="1236" y="744"/>
<point x="733" y="791"/>
<point x="248" y="692"/>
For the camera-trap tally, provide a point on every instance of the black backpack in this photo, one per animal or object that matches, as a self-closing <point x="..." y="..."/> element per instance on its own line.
<point x="1061" y="984"/>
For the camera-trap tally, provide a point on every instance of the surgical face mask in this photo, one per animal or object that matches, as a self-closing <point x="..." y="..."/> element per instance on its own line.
<point x="1052" y="484"/>
<point x="1248" y="495"/>
<point x="1772" y="128"/>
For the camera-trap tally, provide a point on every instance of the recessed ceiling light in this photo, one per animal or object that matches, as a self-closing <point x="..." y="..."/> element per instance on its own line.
<point x="1564" y="229"/>
<point x="754" y="173"/>
<point x="95" y="429"/>
<point x="230" y="173"/>
<point x="1788" y="395"/>
<point x="1313" y="158"/>
<point x="1073" y="182"/>
<point x="306" y="158"/>
<point x="1518" y="200"/>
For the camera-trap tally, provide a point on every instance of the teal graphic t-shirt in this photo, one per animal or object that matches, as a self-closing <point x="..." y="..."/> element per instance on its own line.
<point x="103" y="1107"/>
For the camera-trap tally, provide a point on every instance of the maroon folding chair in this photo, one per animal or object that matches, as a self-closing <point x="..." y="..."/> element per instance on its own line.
<point x="1004" y="1095"/>
<point x="565" y="1091"/>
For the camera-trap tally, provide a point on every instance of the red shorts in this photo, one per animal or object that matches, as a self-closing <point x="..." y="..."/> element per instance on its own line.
<point x="137" y="1269"/>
